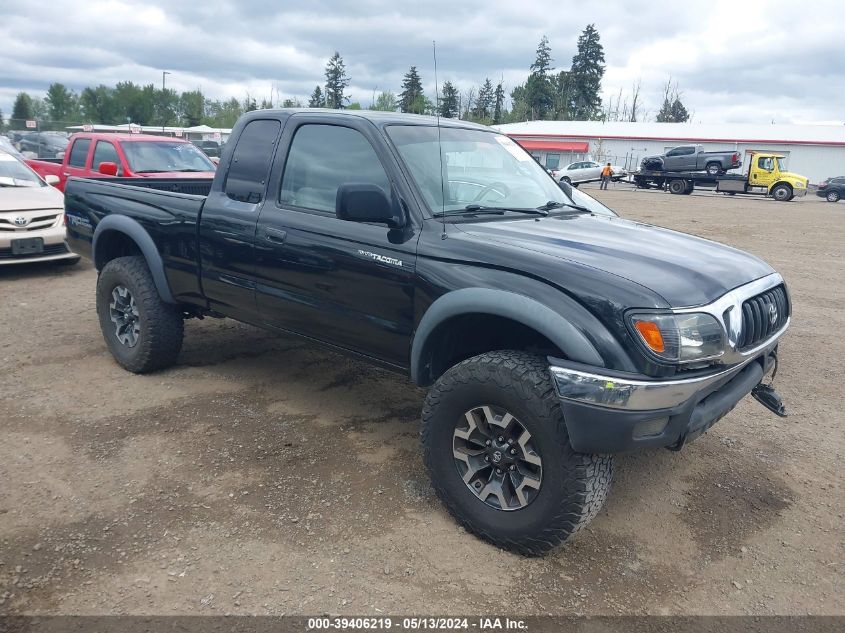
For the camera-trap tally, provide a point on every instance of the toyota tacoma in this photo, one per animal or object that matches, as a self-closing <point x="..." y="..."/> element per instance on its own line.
<point x="549" y="332"/>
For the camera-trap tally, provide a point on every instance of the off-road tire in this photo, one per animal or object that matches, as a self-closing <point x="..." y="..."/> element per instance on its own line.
<point x="161" y="324"/>
<point x="782" y="193"/>
<point x="574" y="485"/>
<point x="832" y="196"/>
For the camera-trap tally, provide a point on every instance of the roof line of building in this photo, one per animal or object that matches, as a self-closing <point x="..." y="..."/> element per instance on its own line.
<point x="671" y="138"/>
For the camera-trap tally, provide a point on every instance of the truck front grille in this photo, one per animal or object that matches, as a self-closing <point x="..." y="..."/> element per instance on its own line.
<point x="762" y="316"/>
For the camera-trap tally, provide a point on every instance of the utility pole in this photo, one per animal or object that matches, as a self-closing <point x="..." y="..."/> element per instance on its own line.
<point x="164" y="73"/>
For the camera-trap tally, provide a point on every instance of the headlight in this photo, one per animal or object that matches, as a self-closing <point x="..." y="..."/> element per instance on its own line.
<point x="799" y="184"/>
<point x="680" y="338"/>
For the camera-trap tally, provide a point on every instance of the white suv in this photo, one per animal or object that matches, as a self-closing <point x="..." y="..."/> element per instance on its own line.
<point x="32" y="217"/>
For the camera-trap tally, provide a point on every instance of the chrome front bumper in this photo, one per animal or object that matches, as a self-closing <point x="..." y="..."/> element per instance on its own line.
<point x="633" y="395"/>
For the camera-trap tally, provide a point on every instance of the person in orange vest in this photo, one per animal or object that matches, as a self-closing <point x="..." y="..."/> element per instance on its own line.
<point x="606" y="173"/>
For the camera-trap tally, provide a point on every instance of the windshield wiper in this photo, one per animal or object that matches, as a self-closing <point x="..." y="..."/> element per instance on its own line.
<point x="478" y="209"/>
<point x="552" y="204"/>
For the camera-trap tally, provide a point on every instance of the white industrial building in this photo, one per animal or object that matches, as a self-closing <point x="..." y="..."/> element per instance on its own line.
<point x="814" y="151"/>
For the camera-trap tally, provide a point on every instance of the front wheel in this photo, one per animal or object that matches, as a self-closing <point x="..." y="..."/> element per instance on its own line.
<point x="142" y="332"/>
<point x="567" y="180"/>
<point x="782" y="193"/>
<point x="832" y="196"/>
<point x="497" y="450"/>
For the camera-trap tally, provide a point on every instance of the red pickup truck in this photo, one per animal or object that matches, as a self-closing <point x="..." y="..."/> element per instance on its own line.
<point x="127" y="156"/>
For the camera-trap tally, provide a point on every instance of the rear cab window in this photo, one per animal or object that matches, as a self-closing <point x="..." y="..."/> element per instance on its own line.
<point x="79" y="153"/>
<point x="250" y="163"/>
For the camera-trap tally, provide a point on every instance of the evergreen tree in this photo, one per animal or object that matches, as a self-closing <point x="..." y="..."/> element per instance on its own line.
<point x="21" y="111"/>
<point x="538" y="87"/>
<point x="665" y="113"/>
<point x="672" y="110"/>
<point x="336" y="82"/>
<point x="2" y="120"/>
<point x="62" y="104"/>
<point x="484" y="102"/>
<point x="449" y="101"/>
<point x="679" y="112"/>
<point x="317" y="100"/>
<point x="498" y="103"/>
<point x="586" y="75"/>
<point x="291" y="103"/>
<point x="409" y="98"/>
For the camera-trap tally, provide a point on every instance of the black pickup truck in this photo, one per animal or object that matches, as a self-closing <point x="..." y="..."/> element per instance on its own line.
<point x="549" y="332"/>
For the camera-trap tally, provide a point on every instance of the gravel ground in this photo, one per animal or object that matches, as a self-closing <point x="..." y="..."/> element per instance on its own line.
<point x="265" y="475"/>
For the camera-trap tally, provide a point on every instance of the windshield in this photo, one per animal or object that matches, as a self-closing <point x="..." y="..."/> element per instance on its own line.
<point x="14" y="173"/>
<point x="781" y="164"/>
<point x="155" y="156"/>
<point x="479" y="168"/>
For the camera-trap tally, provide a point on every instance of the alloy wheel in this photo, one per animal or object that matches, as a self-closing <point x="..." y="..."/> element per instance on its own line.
<point x="496" y="458"/>
<point x="124" y="314"/>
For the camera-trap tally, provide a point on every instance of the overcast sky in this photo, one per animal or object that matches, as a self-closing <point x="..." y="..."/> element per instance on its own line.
<point x="735" y="61"/>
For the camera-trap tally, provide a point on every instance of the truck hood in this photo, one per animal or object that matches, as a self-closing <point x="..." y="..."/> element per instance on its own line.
<point x="29" y="199"/>
<point x="682" y="269"/>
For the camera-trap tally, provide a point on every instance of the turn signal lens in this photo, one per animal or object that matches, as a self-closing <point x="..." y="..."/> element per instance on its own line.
<point x="651" y="335"/>
<point x="680" y="338"/>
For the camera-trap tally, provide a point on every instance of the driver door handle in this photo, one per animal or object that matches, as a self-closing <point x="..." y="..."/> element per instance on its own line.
<point x="277" y="236"/>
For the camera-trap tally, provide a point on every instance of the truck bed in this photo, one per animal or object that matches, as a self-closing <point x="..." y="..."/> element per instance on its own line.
<point x="167" y="209"/>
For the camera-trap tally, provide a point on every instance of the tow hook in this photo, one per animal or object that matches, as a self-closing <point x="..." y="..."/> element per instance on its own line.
<point x="768" y="397"/>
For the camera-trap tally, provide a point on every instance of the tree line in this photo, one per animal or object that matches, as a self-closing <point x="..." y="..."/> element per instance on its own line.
<point x="571" y="94"/>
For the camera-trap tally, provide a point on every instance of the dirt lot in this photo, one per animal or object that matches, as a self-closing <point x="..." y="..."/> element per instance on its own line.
<point x="265" y="475"/>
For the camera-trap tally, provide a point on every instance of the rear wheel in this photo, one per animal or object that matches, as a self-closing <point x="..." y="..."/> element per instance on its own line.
<point x="678" y="186"/>
<point x="714" y="169"/>
<point x="498" y="453"/>
<point x="782" y="193"/>
<point x="832" y="196"/>
<point x="142" y="332"/>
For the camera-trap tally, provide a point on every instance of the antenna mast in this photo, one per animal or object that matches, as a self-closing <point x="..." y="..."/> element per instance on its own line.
<point x="439" y="143"/>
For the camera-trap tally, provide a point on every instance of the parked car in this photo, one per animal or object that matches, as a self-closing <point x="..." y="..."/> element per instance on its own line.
<point x="44" y="144"/>
<point x="693" y="158"/>
<point x="549" y="332"/>
<point x="832" y="189"/>
<point x="94" y="155"/>
<point x="7" y="145"/>
<point x="586" y="171"/>
<point x="210" y="148"/>
<point x="32" y="226"/>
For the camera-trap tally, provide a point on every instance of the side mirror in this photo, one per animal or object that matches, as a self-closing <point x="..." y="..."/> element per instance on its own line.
<point x="52" y="179"/>
<point x="367" y="203"/>
<point x="107" y="168"/>
<point x="567" y="188"/>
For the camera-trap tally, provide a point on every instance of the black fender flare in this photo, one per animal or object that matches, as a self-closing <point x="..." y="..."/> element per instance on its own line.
<point x="134" y="231"/>
<point x="511" y="305"/>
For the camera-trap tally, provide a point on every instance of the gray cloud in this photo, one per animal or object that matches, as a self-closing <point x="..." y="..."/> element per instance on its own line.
<point x="732" y="62"/>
